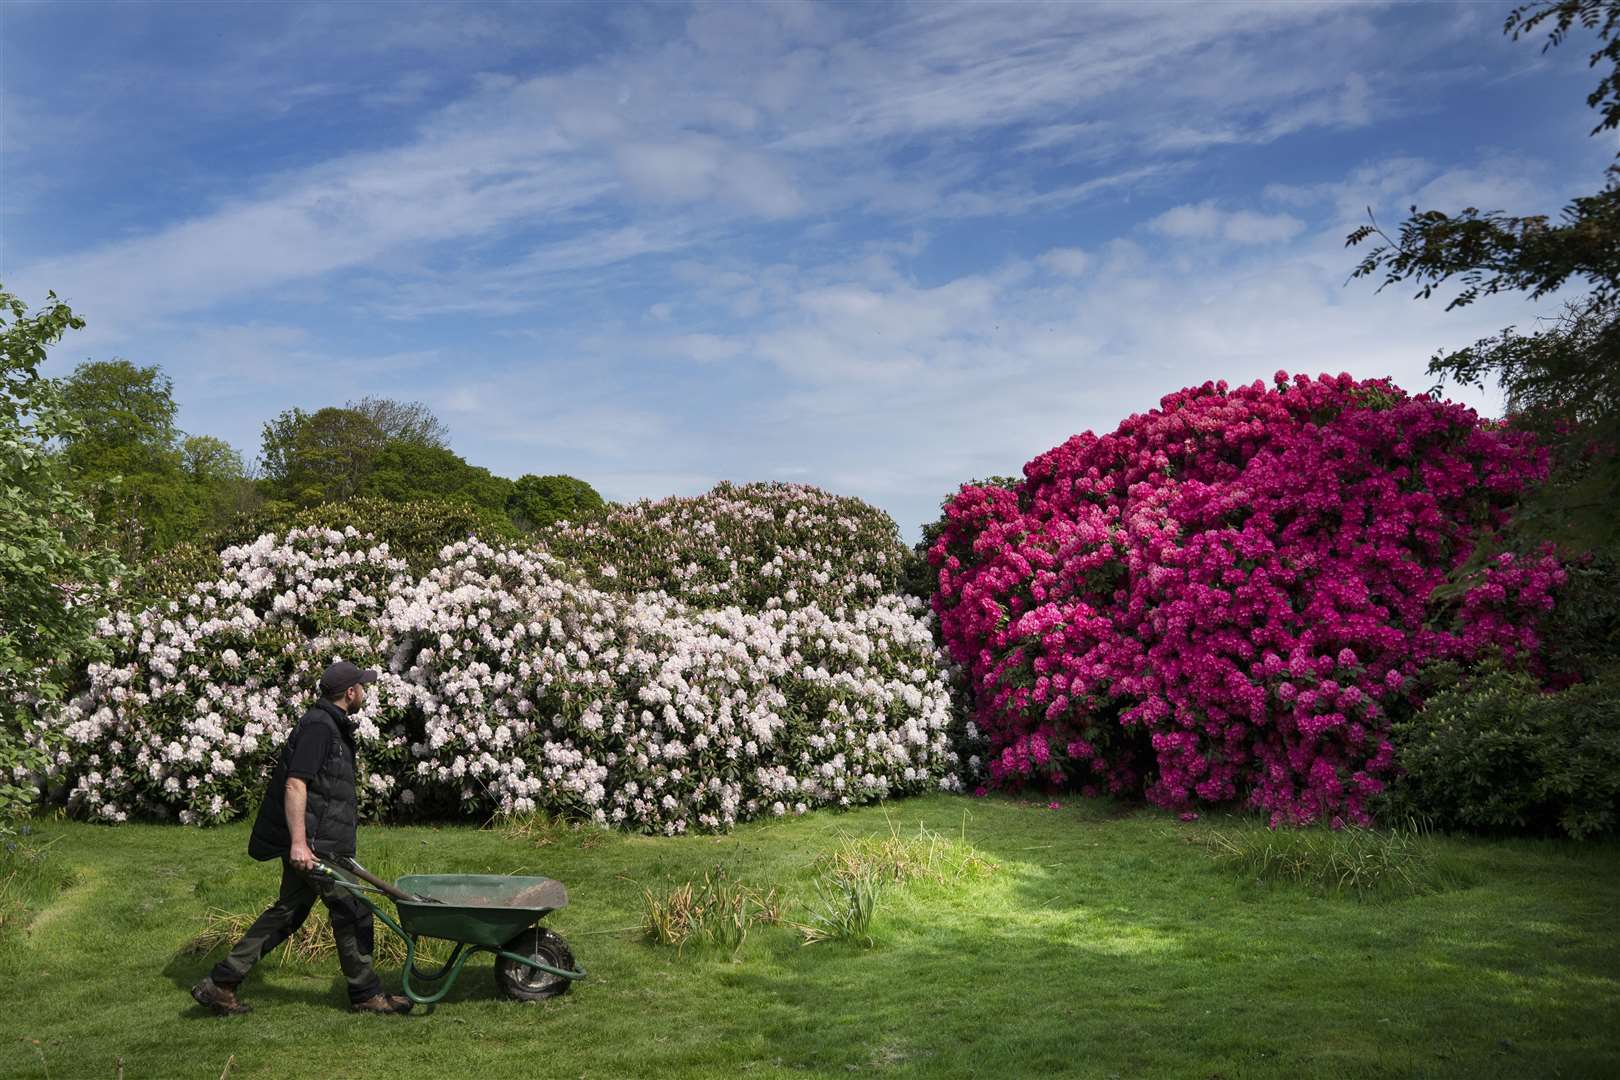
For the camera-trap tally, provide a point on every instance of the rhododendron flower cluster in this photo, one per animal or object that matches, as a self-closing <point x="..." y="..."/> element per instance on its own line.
<point x="1222" y="600"/>
<point x="677" y="665"/>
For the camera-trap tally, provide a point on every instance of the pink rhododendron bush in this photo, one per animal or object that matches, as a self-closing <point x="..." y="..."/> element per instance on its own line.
<point x="676" y="665"/>
<point x="1224" y="599"/>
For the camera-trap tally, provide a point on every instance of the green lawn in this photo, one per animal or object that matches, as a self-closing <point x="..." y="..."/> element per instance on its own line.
<point x="1103" y="946"/>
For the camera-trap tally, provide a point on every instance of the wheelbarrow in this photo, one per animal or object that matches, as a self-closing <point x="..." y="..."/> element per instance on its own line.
<point x="494" y="913"/>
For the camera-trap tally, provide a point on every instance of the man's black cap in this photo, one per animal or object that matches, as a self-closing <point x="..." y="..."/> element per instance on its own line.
<point x="342" y="675"/>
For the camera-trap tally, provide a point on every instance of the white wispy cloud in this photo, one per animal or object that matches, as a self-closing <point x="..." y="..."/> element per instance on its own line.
<point x="1205" y="221"/>
<point x="353" y="213"/>
<point x="1069" y="261"/>
<point x="755" y="113"/>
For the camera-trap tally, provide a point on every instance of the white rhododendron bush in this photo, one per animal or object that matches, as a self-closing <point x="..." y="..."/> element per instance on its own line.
<point x="676" y="665"/>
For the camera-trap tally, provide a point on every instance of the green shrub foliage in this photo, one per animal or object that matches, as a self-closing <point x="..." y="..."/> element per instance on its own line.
<point x="1496" y="754"/>
<point x="535" y="502"/>
<point x="413" y="472"/>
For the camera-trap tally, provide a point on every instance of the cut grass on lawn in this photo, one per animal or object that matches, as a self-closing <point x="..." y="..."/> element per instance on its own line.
<point x="1097" y="943"/>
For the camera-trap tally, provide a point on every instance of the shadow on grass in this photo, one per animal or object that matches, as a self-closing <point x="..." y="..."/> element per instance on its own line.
<point x="184" y="971"/>
<point x="998" y="1004"/>
<point x="268" y="982"/>
<point x="1136" y="950"/>
<point x="1006" y="1000"/>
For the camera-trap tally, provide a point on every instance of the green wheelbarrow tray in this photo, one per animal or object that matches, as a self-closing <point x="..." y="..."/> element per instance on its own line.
<point x="494" y="913"/>
<point x="479" y="909"/>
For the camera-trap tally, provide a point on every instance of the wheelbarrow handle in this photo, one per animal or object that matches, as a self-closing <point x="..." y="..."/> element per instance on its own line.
<point x="377" y="883"/>
<point x="338" y="879"/>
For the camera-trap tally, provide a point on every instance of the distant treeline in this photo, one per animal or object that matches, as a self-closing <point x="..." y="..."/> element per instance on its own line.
<point x="155" y="486"/>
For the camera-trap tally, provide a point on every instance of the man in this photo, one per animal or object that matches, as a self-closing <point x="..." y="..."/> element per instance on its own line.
<point x="309" y="810"/>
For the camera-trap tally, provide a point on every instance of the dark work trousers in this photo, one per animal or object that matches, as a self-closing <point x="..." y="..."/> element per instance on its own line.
<point x="351" y="929"/>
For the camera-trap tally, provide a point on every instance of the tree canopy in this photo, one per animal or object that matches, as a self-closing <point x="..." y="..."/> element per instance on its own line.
<point x="150" y="484"/>
<point x="408" y="471"/>
<point x="330" y="454"/>
<point x="1563" y="377"/>
<point x="538" y="501"/>
<point x="324" y="456"/>
<point x="125" y="455"/>
<point x="404" y="421"/>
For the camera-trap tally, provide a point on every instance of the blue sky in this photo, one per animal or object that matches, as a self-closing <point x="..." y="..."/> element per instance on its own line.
<point x="882" y="248"/>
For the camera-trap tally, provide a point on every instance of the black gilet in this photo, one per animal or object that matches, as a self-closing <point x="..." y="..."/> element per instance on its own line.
<point x="331" y="813"/>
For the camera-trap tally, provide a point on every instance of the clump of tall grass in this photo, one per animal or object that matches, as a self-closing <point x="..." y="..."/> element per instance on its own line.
<point x="844" y="907"/>
<point x="543" y="830"/>
<point x="852" y="879"/>
<point x="1362" y="862"/>
<point x="310" y="943"/>
<point x="928" y="856"/>
<point x="849" y="883"/>
<point x="221" y="929"/>
<point x="29" y="875"/>
<point x="716" y="911"/>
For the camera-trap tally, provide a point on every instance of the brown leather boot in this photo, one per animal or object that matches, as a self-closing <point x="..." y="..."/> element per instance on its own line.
<point x="383" y="1003"/>
<point x="221" y="999"/>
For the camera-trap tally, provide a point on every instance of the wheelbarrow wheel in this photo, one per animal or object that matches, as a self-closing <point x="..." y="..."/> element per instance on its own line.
<point x="523" y="983"/>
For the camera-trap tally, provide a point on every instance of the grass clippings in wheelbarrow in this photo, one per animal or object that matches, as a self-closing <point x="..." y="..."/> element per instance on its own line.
<point x="548" y="894"/>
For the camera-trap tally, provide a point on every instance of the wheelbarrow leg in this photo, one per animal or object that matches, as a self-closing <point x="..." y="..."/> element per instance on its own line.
<point x="458" y="957"/>
<point x="429" y="976"/>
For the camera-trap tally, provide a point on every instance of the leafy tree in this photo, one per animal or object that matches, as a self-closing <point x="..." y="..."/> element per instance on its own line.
<point x="208" y="460"/>
<point x="150" y="484"/>
<point x="125" y="455"/>
<point x="408" y="472"/>
<point x="54" y="574"/>
<point x="277" y="449"/>
<point x="409" y="421"/>
<point x="324" y="456"/>
<point x="120" y="406"/>
<point x="1562" y="379"/>
<point x="215" y="470"/>
<point x="538" y="501"/>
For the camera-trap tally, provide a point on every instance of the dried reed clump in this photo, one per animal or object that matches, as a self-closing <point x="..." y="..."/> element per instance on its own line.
<point x="312" y="941"/>
<point x="716" y="911"/>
